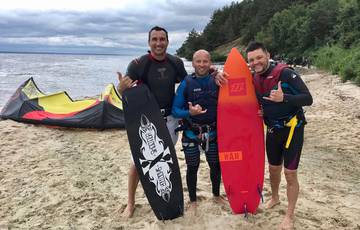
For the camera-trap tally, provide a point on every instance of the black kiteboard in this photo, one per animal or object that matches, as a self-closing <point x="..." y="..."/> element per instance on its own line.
<point x="153" y="153"/>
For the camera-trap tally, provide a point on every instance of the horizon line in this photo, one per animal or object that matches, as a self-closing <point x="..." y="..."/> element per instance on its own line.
<point x="60" y="53"/>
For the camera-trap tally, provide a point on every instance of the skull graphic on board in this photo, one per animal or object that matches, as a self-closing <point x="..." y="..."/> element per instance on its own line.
<point x="155" y="158"/>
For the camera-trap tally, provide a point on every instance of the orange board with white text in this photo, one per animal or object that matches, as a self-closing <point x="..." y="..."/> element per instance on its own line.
<point x="240" y="137"/>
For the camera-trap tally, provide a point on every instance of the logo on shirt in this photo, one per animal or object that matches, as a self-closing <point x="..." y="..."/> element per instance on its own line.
<point x="162" y="73"/>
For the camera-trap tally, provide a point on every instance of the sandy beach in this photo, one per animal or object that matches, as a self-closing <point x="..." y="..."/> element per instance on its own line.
<point x="59" y="178"/>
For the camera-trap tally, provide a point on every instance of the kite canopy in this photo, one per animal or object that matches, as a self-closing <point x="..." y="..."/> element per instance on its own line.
<point x="29" y="104"/>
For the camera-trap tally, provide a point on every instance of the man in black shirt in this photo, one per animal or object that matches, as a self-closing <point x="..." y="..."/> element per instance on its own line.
<point x="160" y="71"/>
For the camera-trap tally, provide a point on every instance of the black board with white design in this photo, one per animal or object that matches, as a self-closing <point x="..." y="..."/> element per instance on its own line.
<point x="153" y="153"/>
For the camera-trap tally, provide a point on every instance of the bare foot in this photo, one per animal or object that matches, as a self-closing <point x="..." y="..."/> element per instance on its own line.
<point x="192" y="208"/>
<point x="287" y="223"/>
<point x="220" y="200"/>
<point x="272" y="203"/>
<point x="128" y="211"/>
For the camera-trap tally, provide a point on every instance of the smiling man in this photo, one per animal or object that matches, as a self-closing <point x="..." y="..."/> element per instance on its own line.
<point x="196" y="103"/>
<point x="281" y="94"/>
<point x="160" y="71"/>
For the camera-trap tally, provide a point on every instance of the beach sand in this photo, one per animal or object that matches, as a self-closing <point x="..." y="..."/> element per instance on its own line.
<point x="58" y="178"/>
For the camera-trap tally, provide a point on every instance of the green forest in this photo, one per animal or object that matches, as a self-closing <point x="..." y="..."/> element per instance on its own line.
<point x="326" y="32"/>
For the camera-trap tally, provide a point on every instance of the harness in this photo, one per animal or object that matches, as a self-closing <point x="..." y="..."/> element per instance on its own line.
<point x="292" y="124"/>
<point x="295" y="118"/>
<point x="283" y="122"/>
<point x="201" y="129"/>
<point x="201" y="134"/>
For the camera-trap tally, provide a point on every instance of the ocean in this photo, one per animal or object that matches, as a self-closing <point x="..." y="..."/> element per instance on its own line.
<point x="79" y="75"/>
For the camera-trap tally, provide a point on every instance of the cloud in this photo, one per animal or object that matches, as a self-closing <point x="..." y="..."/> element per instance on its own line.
<point x="65" y="5"/>
<point x="123" y="28"/>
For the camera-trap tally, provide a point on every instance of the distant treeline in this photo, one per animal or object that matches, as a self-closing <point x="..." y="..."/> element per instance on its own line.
<point x="325" y="32"/>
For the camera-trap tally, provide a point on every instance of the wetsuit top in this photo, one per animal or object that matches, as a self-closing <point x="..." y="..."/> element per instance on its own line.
<point x="296" y="94"/>
<point x="198" y="90"/>
<point x="159" y="76"/>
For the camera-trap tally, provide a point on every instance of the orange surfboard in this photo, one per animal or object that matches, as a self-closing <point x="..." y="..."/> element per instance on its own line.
<point x="240" y="137"/>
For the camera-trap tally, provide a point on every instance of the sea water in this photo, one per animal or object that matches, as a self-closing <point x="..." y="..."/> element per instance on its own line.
<point x="79" y="75"/>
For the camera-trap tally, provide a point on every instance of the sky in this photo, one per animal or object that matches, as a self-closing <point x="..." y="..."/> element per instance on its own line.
<point x="98" y="26"/>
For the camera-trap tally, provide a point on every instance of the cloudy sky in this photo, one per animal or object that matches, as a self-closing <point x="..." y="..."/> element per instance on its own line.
<point x="98" y="26"/>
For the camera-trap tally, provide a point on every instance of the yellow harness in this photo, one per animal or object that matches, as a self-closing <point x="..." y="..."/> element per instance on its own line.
<point x="292" y="124"/>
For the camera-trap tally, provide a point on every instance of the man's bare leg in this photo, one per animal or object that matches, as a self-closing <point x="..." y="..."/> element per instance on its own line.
<point x="133" y="180"/>
<point x="292" y="190"/>
<point x="275" y="178"/>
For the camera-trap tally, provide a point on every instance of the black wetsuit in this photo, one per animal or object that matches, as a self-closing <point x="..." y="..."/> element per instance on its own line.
<point x="202" y="91"/>
<point x="277" y="114"/>
<point x="159" y="76"/>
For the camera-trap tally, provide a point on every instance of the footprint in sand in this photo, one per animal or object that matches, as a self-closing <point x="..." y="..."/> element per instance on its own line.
<point x="201" y="198"/>
<point x="282" y="212"/>
<point x="81" y="184"/>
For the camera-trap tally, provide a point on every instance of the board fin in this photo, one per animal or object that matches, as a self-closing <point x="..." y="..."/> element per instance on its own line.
<point x="260" y="193"/>
<point x="245" y="211"/>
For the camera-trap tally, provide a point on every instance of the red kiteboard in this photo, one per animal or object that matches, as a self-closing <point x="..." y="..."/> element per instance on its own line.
<point x="240" y="137"/>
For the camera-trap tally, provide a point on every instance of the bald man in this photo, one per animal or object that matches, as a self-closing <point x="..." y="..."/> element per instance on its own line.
<point x="195" y="103"/>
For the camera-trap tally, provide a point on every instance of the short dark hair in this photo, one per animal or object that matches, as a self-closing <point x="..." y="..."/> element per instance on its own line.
<point x="158" y="28"/>
<point x="254" y="45"/>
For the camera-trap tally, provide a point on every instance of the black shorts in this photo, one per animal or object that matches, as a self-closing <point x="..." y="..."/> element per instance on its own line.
<point x="275" y="146"/>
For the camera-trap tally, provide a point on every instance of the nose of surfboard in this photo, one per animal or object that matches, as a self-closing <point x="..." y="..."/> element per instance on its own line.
<point x="240" y="86"/>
